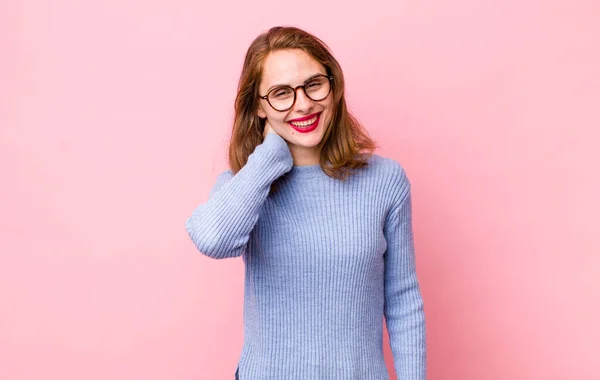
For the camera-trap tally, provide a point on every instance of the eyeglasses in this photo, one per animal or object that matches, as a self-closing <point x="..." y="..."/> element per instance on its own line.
<point x="283" y="98"/>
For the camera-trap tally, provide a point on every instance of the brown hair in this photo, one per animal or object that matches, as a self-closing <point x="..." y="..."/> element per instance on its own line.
<point x="344" y="143"/>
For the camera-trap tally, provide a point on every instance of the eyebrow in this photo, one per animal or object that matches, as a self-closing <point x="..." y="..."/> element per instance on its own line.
<point x="283" y="85"/>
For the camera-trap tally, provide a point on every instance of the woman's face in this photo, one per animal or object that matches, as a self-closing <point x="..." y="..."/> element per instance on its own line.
<point x="293" y="67"/>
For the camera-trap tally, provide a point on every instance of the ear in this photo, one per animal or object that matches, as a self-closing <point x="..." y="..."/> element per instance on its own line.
<point x="261" y="112"/>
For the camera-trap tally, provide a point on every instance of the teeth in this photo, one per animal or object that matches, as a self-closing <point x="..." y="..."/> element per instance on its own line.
<point x="305" y="123"/>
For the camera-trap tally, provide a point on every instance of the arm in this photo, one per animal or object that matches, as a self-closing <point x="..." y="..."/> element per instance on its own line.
<point x="220" y="228"/>
<point x="403" y="310"/>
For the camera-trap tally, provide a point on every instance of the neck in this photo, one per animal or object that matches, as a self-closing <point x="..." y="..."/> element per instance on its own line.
<point x="304" y="156"/>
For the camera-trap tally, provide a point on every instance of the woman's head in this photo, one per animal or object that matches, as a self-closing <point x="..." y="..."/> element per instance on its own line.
<point x="300" y="116"/>
<point x="276" y="63"/>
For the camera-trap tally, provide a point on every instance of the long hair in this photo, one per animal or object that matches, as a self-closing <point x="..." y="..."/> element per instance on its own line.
<point x="345" y="145"/>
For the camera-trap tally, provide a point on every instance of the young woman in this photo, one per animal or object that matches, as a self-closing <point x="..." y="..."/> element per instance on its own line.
<point x="324" y="225"/>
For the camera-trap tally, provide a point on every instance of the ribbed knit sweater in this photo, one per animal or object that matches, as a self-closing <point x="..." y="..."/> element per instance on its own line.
<point x="325" y="261"/>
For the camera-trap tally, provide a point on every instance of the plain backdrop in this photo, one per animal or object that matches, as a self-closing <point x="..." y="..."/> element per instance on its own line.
<point x="114" y="122"/>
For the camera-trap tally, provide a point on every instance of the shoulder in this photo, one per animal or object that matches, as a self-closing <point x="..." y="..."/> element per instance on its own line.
<point x="390" y="171"/>
<point x="385" y="163"/>
<point x="388" y="179"/>
<point x="395" y="185"/>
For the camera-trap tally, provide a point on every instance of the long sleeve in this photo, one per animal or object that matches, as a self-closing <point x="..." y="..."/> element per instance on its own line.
<point x="404" y="311"/>
<point x="220" y="227"/>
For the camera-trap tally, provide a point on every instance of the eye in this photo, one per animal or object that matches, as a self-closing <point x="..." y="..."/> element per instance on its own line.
<point x="316" y="83"/>
<point x="281" y="92"/>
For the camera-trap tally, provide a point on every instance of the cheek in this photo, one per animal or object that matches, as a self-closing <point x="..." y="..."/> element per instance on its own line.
<point x="276" y="117"/>
<point x="280" y="120"/>
<point x="329" y="109"/>
<point x="329" y="104"/>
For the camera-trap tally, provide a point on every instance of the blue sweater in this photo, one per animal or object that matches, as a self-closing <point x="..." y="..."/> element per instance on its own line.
<point x="325" y="261"/>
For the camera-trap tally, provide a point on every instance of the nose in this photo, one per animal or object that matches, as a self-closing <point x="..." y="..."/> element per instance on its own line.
<point x="303" y="102"/>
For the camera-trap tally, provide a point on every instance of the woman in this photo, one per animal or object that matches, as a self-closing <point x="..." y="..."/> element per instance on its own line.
<point x="323" y="225"/>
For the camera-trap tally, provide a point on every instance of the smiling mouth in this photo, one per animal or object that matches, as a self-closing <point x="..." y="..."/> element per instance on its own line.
<point x="305" y="123"/>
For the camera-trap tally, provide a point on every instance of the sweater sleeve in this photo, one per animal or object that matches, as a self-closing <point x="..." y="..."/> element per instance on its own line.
<point x="403" y="310"/>
<point x="220" y="228"/>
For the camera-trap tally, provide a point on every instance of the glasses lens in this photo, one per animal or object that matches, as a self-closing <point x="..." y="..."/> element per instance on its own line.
<point x="281" y="98"/>
<point x="318" y="88"/>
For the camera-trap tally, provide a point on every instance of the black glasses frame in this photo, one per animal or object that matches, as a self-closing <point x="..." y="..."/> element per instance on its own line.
<point x="294" y="89"/>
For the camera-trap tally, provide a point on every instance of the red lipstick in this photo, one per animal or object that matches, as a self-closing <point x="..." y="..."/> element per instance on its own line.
<point x="304" y="127"/>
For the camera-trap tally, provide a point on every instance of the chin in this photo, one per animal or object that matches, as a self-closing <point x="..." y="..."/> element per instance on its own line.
<point x="307" y="141"/>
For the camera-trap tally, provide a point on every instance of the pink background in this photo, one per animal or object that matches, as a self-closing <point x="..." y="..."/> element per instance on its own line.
<point x="114" y="121"/>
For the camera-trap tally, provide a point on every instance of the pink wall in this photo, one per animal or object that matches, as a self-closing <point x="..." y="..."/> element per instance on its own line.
<point x="114" y="120"/>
